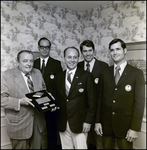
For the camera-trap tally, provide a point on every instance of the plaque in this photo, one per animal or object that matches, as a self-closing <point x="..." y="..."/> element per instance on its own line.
<point x="42" y="100"/>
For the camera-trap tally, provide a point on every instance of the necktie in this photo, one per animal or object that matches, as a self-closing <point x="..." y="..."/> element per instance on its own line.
<point x="68" y="83"/>
<point x="117" y="75"/>
<point x="30" y="83"/>
<point x="43" y="66"/>
<point x="88" y="67"/>
<point x="69" y="77"/>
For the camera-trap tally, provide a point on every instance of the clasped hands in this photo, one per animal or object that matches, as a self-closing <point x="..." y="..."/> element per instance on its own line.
<point x="131" y="134"/>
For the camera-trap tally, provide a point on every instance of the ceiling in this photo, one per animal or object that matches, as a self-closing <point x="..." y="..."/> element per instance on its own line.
<point x="76" y="5"/>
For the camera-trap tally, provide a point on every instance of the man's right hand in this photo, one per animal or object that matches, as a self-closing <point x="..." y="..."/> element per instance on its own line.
<point x="98" y="129"/>
<point x="26" y="101"/>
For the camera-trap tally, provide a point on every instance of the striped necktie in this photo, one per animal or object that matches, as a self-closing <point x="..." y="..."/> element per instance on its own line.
<point x="30" y="83"/>
<point x="68" y="82"/>
<point x="117" y="74"/>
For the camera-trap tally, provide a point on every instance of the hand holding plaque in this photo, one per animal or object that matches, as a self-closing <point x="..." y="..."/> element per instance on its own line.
<point x="43" y="101"/>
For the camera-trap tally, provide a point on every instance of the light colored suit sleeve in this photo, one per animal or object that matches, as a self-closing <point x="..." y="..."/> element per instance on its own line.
<point x="6" y="100"/>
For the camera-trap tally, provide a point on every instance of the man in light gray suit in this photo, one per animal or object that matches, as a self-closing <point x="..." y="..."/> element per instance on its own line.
<point x="26" y="127"/>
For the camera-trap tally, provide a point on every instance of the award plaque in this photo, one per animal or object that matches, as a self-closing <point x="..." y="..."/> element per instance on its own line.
<point x="42" y="100"/>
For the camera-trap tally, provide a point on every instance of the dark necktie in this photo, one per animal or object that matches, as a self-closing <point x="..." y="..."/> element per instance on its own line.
<point x="30" y="83"/>
<point x="117" y="75"/>
<point x="88" y="67"/>
<point x="43" y="66"/>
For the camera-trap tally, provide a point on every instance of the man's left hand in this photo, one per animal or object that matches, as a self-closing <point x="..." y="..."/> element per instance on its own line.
<point x="131" y="135"/>
<point x="86" y="127"/>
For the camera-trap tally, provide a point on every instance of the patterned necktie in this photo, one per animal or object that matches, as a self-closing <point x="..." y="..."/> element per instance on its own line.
<point x="43" y="66"/>
<point x="68" y="82"/>
<point x="117" y="75"/>
<point x="30" y="83"/>
<point x="88" y="67"/>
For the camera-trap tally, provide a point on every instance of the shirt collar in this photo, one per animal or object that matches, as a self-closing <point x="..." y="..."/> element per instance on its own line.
<point x="122" y="66"/>
<point x="45" y="59"/>
<point x="91" y="62"/>
<point x="73" y="70"/>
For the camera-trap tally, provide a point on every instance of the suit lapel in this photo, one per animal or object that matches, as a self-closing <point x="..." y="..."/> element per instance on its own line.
<point x="111" y="70"/>
<point x="75" y="80"/>
<point x="35" y="81"/>
<point x="48" y="67"/>
<point x="62" y="79"/>
<point x="96" y="65"/>
<point x="37" y="64"/>
<point x="124" y="74"/>
<point x="19" y="80"/>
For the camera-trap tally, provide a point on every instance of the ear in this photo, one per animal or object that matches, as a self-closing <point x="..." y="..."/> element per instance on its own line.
<point x="125" y="51"/>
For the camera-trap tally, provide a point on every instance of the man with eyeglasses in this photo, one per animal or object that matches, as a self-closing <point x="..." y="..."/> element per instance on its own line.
<point x="49" y="68"/>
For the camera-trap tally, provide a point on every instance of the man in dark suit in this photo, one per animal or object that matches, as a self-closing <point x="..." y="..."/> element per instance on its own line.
<point x="49" y="68"/>
<point x="26" y="127"/>
<point x="95" y="67"/>
<point x="76" y="99"/>
<point x="121" y="100"/>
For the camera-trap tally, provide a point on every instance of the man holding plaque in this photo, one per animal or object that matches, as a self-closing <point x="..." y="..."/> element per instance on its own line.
<point x="26" y="127"/>
<point x="77" y="101"/>
<point x="49" y="67"/>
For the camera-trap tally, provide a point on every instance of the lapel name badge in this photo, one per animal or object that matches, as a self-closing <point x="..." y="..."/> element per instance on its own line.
<point x="52" y="76"/>
<point x="81" y="90"/>
<point x="96" y="80"/>
<point x="128" y="88"/>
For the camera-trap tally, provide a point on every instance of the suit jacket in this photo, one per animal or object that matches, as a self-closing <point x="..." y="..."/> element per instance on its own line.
<point x="20" y="122"/>
<point x="52" y="68"/>
<point x="121" y="106"/>
<point x="79" y="106"/>
<point x="98" y="67"/>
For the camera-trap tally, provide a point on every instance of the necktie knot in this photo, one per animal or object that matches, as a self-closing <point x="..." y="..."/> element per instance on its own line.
<point x="117" y="68"/>
<point x="28" y="75"/>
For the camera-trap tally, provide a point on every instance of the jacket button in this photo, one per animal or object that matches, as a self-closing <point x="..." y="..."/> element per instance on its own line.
<point x="67" y="100"/>
<point x="113" y="113"/>
<point x="113" y="101"/>
<point x="115" y="89"/>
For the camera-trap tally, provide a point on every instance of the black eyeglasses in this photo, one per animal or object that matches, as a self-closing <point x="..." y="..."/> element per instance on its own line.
<point x="44" y="47"/>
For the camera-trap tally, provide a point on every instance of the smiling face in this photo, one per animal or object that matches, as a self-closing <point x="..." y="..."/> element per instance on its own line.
<point x="88" y="53"/>
<point x="71" y="58"/>
<point x="26" y="62"/>
<point x="44" y="48"/>
<point x="117" y="53"/>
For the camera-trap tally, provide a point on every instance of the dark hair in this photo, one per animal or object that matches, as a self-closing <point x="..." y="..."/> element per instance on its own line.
<point x="73" y="48"/>
<point x="123" y="44"/>
<point x="87" y="43"/>
<point x="24" y="51"/>
<point x="44" y="38"/>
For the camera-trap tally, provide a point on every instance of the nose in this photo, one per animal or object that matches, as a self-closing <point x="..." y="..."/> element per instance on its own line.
<point x="29" y="63"/>
<point x="72" y="59"/>
<point x="115" y="51"/>
<point x="87" y="53"/>
<point x="44" y="48"/>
